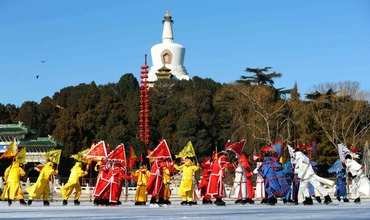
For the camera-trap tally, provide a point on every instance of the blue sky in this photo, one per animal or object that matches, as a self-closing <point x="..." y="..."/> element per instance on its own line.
<point x="308" y="41"/>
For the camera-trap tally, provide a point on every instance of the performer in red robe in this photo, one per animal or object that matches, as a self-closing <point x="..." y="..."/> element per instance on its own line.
<point x="242" y="189"/>
<point x="250" y="188"/>
<point x="216" y="187"/>
<point x="118" y="177"/>
<point x="203" y="185"/>
<point x="155" y="183"/>
<point x="101" y="190"/>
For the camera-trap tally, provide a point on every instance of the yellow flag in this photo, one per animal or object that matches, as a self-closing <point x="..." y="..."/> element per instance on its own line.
<point x="21" y="156"/>
<point x="188" y="151"/>
<point x="53" y="156"/>
<point x="11" y="151"/>
<point x="281" y="160"/>
<point x="79" y="155"/>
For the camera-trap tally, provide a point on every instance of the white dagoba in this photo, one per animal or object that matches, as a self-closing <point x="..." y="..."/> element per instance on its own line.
<point x="167" y="57"/>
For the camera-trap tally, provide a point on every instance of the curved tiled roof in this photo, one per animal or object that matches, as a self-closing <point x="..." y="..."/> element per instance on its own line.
<point x="13" y="129"/>
<point x="44" y="142"/>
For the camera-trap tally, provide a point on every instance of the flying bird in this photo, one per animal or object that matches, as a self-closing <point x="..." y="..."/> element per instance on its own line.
<point x="37" y="76"/>
<point x="43" y="61"/>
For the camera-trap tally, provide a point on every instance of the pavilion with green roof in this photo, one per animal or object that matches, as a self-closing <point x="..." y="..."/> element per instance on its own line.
<point x="10" y="131"/>
<point x="35" y="148"/>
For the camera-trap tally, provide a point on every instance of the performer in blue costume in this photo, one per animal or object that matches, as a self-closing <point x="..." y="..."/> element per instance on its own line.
<point x="289" y="175"/>
<point x="341" y="186"/>
<point x="272" y="172"/>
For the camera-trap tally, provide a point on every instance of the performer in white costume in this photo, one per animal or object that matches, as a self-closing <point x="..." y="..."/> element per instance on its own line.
<point x="360" y="184"/>
<point x="306" y="174"/>
<point x="239" y="189"/>
<point x="260" y="186"/>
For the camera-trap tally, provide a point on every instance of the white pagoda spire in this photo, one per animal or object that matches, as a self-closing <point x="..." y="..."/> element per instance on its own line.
<point x="167" y="36"/>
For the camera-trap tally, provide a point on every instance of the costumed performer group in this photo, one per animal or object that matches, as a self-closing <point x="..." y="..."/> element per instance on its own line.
<point x="295" y="181"/>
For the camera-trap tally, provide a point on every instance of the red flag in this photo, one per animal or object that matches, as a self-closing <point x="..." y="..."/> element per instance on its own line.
<point x="132" y="159"/>
<point x="132" y="153"/>
<point x="299" y="146"/>
<point x="276" y="147"/>
<point x="215" y="154"/>
<point x="243" y="160"/>
<point x="206" y="163"/>
<point x="237" y="148"/>
<point x="148" y="152"/>
<point x="118" y="154"/>
<point x="313" y="146"/>
<point x="161" y="151"/>
<point x="97" y="152"/>
<point x="107" y="147"/>
<point x="256" y="155"/>
<point x="352" y="149"/>
<point x="227" y="143"/>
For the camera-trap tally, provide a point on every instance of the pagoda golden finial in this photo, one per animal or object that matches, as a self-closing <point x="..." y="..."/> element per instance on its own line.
<point x="167" y="17"/>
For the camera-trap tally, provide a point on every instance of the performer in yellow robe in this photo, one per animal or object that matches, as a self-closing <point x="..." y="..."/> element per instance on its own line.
<point x="13" y="188"/>
<point x="186" y="189"/>
<point x="4" y="195"/>
<point x="167" y="182"/>
<point x="42" y="184"/>
<point x="73" y="183"/>
<point x="141" y="177"/>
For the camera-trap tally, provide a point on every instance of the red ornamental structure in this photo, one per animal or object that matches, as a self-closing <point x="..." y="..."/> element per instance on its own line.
<point x="144" y="105"/>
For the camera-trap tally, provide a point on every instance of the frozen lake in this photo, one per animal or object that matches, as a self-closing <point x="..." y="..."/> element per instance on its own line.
<point x="337" y="210"/>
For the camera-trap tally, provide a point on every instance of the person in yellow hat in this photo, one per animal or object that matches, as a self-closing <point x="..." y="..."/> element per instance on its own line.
<point x="13" y="189"/>
<point x="42" y="184"/>
<point x="186" y="189"/>
<point x="167" y="172"/>
<point x="73" y="183"/>
<point x="141" y="177"/>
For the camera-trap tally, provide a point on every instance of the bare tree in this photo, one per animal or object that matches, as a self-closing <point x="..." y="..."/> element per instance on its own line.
<point x="343" y="114"/>
<point x="266" y="112"/>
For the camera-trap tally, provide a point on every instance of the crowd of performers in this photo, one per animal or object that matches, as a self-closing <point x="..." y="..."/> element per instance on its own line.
<point x="295" y="181"/>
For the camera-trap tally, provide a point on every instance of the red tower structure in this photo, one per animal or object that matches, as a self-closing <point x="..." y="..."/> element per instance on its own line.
<point x="144" y="106"/>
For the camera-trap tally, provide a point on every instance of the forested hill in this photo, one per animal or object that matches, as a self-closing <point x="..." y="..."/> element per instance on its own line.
<point x="202" y="111"/>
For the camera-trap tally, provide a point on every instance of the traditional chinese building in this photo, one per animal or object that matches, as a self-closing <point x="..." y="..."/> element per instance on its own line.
<point x="10" y="131"/>
<point x="35" y="148"/>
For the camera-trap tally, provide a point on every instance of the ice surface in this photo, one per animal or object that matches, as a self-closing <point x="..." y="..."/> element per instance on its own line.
<point x="336" y="210"/>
